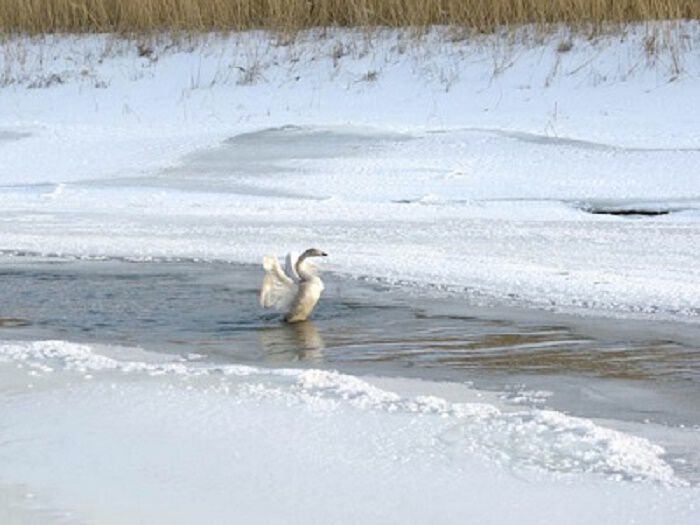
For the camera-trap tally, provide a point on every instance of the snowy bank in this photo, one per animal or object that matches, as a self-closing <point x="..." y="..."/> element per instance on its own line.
<point x="194" y="441"/>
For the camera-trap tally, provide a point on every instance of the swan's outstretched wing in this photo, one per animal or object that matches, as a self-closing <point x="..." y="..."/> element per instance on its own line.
<point x="278" y="290"/>
<point x="289" y="263"/>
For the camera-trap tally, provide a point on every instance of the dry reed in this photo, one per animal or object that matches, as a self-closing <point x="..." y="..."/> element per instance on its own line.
<point x="143" y="16"/>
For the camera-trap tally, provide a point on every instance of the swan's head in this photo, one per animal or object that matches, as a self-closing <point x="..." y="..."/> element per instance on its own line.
<point x="313" y="252"/>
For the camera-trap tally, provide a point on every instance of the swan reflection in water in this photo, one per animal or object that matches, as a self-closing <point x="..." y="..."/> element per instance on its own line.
<point x="293" y="342"/>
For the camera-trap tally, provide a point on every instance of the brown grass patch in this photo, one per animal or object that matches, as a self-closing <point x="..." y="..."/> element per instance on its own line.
<point x="138" y="16"/>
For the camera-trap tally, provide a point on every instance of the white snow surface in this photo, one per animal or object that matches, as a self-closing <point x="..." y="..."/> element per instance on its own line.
<point x="462" y="165"/>
<point x="100" y="434"/>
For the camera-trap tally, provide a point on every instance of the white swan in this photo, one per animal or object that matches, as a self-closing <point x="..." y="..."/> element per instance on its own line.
<point x="296" y="293"/>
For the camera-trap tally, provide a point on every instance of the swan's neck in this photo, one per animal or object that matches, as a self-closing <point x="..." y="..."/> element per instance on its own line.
<point x="303" y="274"/>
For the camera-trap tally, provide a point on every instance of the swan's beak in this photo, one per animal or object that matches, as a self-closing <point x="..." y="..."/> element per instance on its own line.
<point x="324" y="254"/>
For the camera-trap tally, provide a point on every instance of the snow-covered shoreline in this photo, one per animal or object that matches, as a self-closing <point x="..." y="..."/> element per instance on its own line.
<point x="149" y="436"/>
<point x="469" y="167"/>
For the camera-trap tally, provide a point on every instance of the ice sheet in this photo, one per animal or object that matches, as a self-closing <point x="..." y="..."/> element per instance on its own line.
<point x="183" y="440"/>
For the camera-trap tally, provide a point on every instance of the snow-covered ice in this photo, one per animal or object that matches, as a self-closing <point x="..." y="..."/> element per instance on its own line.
<point x="488" y="168"/>
<point x="183" y="441"/>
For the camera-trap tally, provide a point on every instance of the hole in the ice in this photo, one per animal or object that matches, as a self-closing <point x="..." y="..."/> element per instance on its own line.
<point x="629" y="210"/>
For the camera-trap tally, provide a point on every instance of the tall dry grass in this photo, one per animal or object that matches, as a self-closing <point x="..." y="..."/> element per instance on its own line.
<point x="129" y="16"/>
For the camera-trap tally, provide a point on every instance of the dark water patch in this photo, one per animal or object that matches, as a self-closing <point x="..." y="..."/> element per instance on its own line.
<point x="636" y="209"/>
<point x="631" y="212"/>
